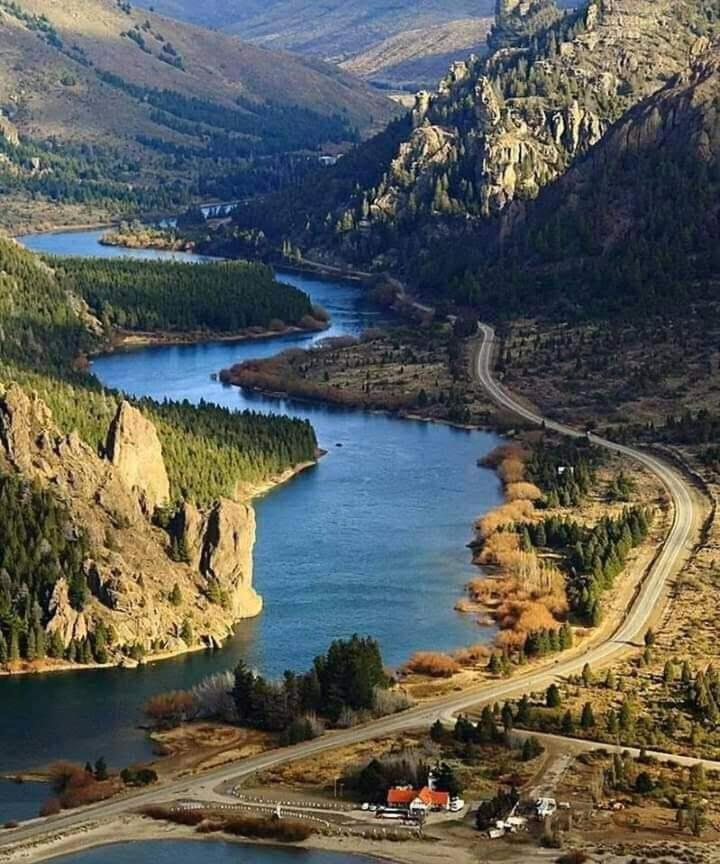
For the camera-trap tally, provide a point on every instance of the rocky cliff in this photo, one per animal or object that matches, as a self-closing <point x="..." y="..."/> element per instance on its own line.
<point x="133" y="447"/>
<point x="632" y="228"/>
<point x="149" y="597"/>
<point x="502" y="127"/>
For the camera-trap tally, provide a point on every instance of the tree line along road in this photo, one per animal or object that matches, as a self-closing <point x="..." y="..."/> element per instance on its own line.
<point x="636" y="620"/>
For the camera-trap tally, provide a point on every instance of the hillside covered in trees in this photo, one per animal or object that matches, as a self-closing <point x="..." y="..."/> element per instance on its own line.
<point x="222" y="297"/>
<point x="633" y="228"/>
<point x="71" y="521"/>
<point x="547" y="176"/>
<point x="112" y="109"/>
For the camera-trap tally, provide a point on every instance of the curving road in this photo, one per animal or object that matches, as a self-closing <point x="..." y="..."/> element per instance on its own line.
<point x="678" y="541"/>
<point x="632" y="628"/>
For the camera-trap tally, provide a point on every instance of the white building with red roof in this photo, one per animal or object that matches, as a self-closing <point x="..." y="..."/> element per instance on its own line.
<point x="418" y="802"/>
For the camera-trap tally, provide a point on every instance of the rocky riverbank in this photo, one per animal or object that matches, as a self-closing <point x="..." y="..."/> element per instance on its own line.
<point x="147" y="602"/>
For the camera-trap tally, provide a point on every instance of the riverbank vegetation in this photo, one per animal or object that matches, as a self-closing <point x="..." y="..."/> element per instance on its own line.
<point x="46" y="331"/>
<point x="77" y="786"/>
<point x="553" y="553"/>
<point x="549" y="567"/>
<point x="345" y="686"/>
<point x="136" y="235"/>
<point x="418" y="371"/>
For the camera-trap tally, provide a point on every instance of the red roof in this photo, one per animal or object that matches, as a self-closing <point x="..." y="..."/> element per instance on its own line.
<point x="434" y="799"/>
<point x="403" y="797"/>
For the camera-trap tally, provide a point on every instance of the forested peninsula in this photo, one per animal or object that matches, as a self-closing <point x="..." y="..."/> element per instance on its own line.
<point x="217" y="298"/>
<point x="125" y="531"/>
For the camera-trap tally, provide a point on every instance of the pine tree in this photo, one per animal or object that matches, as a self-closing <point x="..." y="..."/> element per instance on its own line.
<point x="566" y="637"/>
<point x="437" y="731"/>
<point x="187" y="634"/>
<point x="587" y="720"/>
<point x="697" y="777"/>
<point x="14" y="650"/>
<point x="56" y="648"/>
<point x="494" y="665"/>
<point x="30" y="646"/>
<point x="552" y="696"/>
<point x="101" y="770"/>
<point x="40" y="642"/>
<point x="531" y="749"/>
<point x="625" y="717"/>
<point x="523" y="711"/>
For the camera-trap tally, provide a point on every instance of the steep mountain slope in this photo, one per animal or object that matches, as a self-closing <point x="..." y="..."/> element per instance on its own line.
<point x="157" y="100"/>
<point x="503" y="127"/>
<point x="418" y="58"/>
<point x="380" y="41"/>
<point x="632" y="227"/>
<point x="205" y="64"/>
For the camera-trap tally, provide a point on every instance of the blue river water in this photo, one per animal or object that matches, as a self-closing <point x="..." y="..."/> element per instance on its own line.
<point x="209" y="852"/>
<point x="371" y="540"/>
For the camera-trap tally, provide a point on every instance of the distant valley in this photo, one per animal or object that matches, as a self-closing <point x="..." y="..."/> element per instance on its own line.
<point x="406" y="44"/>
<point x="120" y="110"/>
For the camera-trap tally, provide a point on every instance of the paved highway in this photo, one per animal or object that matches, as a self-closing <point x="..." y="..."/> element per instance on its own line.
<point x="631" y="629"/>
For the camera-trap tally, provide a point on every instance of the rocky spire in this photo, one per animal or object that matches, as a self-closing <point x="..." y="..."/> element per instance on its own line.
<point x="134" y="449"/>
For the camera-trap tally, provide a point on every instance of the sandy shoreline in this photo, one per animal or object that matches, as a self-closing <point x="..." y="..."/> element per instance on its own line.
<point x="131" y="828"/>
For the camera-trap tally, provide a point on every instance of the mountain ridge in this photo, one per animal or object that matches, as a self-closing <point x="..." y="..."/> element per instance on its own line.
<point x="500" y="128"/>
<point x="154" y="106"/>
<point x="633" y="226"/>
<point x="375" y="40"/>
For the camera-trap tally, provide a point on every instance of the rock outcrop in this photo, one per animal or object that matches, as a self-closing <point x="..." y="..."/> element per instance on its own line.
<point x="68" y="622"/>
<point x="130" y="573"/>
<point x="631" y="229"/>
<point x="219" y="545"/>
<point x="134" y="448"/>
<point x="503" y="127"/>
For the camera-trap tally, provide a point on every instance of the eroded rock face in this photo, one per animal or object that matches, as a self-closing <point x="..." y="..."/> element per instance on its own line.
<point x="226" y="554"/>
<point x="501" y="128"/>
<point x="219" y="544"/>
<point x="130" y="574"/>
<point x="9" y="130"/>
<point x="134" y="448"/>
<point x="65" y="620"/>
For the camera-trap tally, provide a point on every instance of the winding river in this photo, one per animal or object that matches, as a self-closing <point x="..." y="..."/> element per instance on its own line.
<point x="372" y="540"/>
